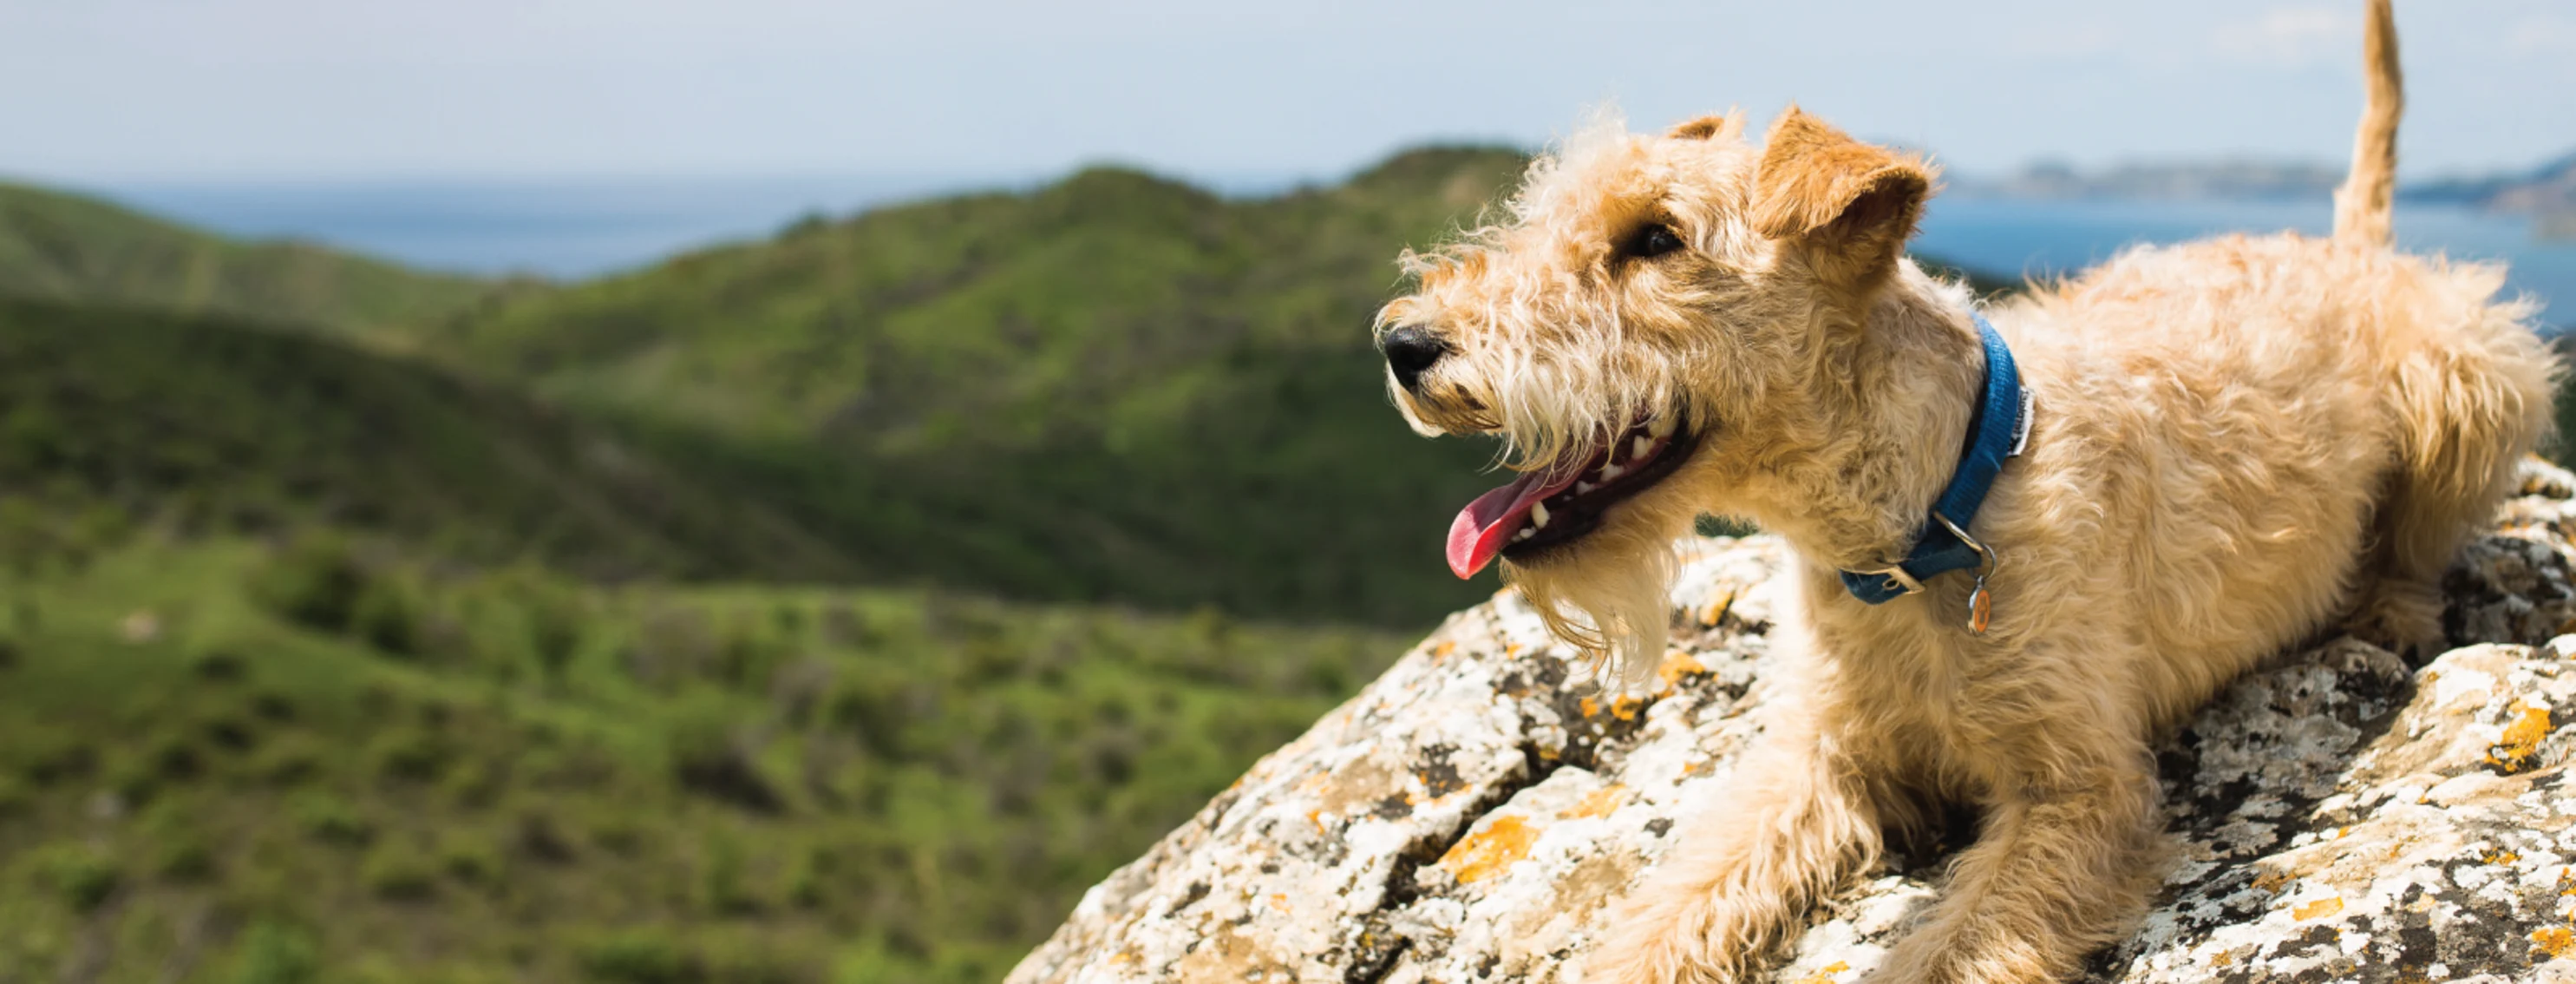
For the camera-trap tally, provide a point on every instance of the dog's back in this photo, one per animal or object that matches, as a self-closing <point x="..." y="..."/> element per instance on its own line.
<point x="2233" y="389"/>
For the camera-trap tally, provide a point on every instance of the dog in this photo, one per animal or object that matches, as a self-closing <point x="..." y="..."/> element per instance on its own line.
<point x="2191" y="457"/>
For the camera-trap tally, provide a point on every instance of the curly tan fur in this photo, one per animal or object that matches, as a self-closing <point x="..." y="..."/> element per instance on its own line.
<point x="2239" y="443"/>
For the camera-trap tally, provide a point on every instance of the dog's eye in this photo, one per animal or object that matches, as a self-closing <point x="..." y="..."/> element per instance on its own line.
<point x="1653" y="241"/>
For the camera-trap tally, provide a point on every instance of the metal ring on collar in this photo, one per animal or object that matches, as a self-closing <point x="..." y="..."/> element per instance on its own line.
<point x="1985" y="557"/>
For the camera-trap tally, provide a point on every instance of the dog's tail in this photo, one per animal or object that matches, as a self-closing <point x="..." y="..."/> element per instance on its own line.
<point x="2362" y="204"/>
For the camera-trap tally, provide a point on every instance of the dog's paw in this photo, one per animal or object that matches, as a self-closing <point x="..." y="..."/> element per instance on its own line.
<point x="2403" y="618"/>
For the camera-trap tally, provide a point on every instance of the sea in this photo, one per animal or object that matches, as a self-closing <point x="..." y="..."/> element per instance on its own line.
<point x="2044" y="238"/>
<point x="570" y="229"/>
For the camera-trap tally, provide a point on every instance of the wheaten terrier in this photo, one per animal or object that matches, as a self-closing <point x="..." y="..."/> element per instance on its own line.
<point x="2030" y="536"/>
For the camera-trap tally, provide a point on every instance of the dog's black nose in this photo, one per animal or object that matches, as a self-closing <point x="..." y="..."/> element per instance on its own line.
<point x="1409" y="351"/>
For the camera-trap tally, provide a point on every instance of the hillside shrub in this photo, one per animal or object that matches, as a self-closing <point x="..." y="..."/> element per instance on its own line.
<point x="315" y="581"/>
<point x="331" y="819"/>
<point x="81" y="875"/>
<point x="275" y="953"/>
<point x="640" y="957"/>
<point x="398" y="873"/>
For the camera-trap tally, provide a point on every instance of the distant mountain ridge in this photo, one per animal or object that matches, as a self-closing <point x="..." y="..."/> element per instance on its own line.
<point x="2547" y="193"/>
<point x="2184" y="180"/>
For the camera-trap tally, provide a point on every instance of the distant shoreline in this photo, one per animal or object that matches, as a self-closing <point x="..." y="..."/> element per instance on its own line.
<point x="2545" y="194"/>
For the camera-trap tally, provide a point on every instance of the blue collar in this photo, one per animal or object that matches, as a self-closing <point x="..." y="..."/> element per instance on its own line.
<point x="1998" y="430"/>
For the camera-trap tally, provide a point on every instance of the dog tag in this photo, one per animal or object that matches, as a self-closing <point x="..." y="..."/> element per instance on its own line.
<point x="1981" y="608"/>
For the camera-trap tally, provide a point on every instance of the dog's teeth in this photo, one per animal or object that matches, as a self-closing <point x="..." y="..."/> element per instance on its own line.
<point x="1525" y="533"/>
<point x="1640" y="447"/>
<point x="1661" y="428"/>
<point x="1583" y="487"/>
<point x="1609" y="472"/>
<point x="1538" y="515"/>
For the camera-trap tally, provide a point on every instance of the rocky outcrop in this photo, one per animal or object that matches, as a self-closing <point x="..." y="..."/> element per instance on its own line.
<point x="2340" y="816"/>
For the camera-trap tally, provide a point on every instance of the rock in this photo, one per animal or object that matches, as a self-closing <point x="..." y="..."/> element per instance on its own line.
<point x="2341" y="816"/>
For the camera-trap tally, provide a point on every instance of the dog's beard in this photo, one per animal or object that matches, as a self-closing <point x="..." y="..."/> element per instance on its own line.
<point x="1609" y="596"/>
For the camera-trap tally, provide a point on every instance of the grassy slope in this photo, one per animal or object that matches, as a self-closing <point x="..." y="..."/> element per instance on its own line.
<point x="211" y="423"/>
<point x="67" y="247"/>
<point x="218" y="764"/>
<point x="392" y="766"/>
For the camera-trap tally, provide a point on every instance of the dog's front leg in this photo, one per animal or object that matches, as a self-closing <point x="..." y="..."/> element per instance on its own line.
<point x="2058" y="870"/>
<point x="1794" y="823"/>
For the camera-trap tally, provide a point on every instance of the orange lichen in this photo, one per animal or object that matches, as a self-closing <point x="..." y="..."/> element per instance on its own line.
<point x="2519" y="749"/>
<point x="2556" y="941"/>
<point x="1485" y="853"/>
<point x="1624" y="707"/>
<point x="1443" y="650"/>
<point x="1717" y="608"/>
<point x="1599" y="803"/>
<point x="2319" y="909"/>
<point x="1825" y="974"/>
<point x="1676" y="665"/>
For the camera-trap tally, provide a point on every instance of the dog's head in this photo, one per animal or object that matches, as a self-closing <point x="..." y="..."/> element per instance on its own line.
<point x="1655" y="317"/>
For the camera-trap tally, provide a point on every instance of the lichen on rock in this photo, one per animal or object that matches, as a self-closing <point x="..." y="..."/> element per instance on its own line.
<point x="2341" y="815"/>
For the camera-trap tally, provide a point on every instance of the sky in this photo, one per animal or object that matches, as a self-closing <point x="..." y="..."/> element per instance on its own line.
<point x="101" y="91"/>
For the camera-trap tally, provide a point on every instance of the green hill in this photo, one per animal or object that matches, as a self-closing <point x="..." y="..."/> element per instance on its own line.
<point x="215" y="424"/>
<point x="1113" y="387"/>
<point x="224" y="763"/>
<point x="65" y="247"/>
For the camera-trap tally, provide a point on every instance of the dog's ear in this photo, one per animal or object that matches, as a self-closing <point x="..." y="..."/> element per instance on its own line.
<point x="1854" y="202"/>
<point x="1728" y="125"/>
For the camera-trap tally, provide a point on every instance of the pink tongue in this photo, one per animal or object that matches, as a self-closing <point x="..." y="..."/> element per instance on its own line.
<point x="1480" y="529"/>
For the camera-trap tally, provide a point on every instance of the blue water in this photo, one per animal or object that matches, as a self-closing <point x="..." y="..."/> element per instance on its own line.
<point x="571" y="229"/>
<point x="2033" y="237"/>
<point x="564" y="229"/>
